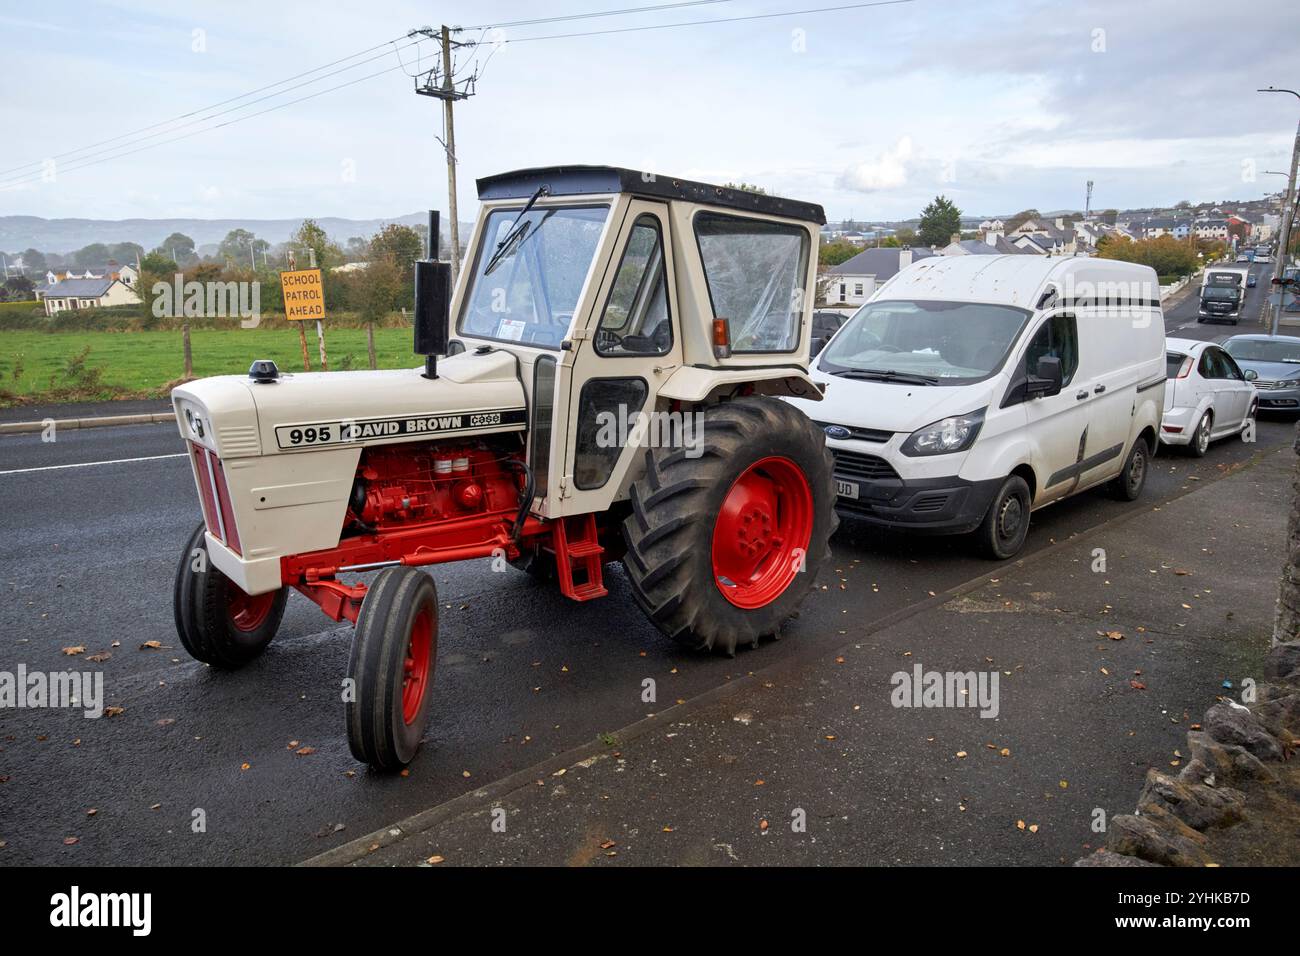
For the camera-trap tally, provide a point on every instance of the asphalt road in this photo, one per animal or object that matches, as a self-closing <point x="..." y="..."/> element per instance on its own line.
<point x="86" y="559"/>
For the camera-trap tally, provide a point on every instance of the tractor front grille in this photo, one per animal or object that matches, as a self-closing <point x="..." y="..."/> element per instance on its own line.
<point x="214" y="496"/>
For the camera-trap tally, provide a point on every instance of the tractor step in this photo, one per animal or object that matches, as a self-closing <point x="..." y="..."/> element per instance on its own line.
<point x="578" y="557"/>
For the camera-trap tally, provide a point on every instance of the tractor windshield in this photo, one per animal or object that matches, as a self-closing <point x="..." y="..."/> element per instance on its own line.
<point x="529" y="271"/>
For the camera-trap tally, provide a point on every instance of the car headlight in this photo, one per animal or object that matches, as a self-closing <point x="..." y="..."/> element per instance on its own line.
<point x="945" y="436"/>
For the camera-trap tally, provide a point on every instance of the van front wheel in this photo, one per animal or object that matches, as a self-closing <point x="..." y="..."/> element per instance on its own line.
<point x="1002" y="533"/>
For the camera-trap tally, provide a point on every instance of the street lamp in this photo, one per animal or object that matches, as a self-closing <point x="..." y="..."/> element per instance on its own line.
<point x="1288" y="215"/>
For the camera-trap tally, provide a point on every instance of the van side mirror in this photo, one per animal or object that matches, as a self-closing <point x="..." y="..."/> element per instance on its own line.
<point x="1046" y="380"/>
<point x="432" y="312"/>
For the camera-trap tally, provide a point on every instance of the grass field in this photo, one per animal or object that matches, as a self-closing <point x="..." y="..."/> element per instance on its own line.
<point x="141" y="364"/>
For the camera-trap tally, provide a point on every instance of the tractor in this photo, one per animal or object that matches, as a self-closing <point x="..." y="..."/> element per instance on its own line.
<point x="605" y="382"/>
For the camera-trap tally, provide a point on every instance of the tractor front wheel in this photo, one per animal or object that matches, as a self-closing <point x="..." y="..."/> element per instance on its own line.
<point x="391" y="668"/>
<point x="216" y="621"/>
<point x="726" y="537"/>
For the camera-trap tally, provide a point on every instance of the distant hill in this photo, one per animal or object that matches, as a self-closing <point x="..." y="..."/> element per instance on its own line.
<point x="67" y="235"/>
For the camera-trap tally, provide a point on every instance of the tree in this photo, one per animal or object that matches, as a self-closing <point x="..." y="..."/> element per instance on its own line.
<point x="939" y="222"/>
<point x="1108" y="216"/>
<point x="834" y="253"/>
<point x="1020" y="218"/>
<point x="746" y="188"/>
<point x="177" y="246"/>
<point x="125" y="252"/>
<point x="1166" y="255"/>
<point x="235" y="247"/>
<point x="357" y="248"/>
<point x="906" y="237"/>
<point x="311" y="236"/>
<point x="34" y="260"/>
<point x="88" y="257"/>
<point x="401" y="244"/>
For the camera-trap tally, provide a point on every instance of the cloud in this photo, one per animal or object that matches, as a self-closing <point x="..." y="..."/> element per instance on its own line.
<point x="888" y="171"/>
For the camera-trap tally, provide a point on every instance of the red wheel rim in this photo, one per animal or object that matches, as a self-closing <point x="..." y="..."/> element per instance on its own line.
<point x="247" y="613"/>
<point x="416" y="666"/>
<point x="761" y="535"/>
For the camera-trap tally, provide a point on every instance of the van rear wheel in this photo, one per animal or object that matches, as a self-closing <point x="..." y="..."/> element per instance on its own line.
<point x="1002" y="533"/>
<point x="1128" y="484"/>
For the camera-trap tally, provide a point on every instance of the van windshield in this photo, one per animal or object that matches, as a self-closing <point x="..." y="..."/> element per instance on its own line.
<point x="910" y="341"/>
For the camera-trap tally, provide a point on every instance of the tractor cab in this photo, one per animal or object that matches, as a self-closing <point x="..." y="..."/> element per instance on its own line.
<point x="624" y="293"/>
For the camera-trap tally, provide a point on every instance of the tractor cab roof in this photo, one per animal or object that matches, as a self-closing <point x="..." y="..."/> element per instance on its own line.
<point x="603" y="180"/>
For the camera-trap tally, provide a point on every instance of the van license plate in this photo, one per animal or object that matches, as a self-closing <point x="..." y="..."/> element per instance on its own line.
<point x="846" y="489"/>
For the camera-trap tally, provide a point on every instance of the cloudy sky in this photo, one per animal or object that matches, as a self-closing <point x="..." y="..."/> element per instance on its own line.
<point x="869" y="111"/>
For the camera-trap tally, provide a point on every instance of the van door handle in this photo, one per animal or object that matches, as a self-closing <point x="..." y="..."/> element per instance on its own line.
<point x="1081" y="395"/>
<point x="1099" y="389"/>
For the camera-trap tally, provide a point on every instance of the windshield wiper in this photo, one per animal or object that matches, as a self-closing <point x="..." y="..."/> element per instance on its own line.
<point x="887" y="375"/>
<point x="516" y="233"/>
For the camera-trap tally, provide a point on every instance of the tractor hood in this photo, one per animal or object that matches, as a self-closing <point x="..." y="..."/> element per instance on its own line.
<point x="237" y="417"/>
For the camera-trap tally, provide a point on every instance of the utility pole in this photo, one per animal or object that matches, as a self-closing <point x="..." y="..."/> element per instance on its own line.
<point x="1288" y="216"/>
<point x="441" y="84"/>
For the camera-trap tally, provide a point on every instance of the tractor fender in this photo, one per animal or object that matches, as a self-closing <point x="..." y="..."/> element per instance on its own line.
<point x="692" y="384"/>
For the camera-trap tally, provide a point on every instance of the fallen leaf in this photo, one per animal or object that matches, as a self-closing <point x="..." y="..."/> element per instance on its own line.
<point x="245" y="766"/>
<point x="69" y="841"/>
<point x="608" y="845"/>
<point x="1005" y="751"/>
<point x="1020" y="824"/>
<point x="74" y="651"/>
<point x="305" y="751"/>
<point x="91" y="812"/>
<point x="1137" y="685"/>
<point x="151" y="645"/>
<point x="1033" y="828"/>
<point x="435" y="860"/>
<point x="762" y="825"/>
<point x="99" y="658"/>
<point x="114" y="711"/>
<point x="961" y="754"/>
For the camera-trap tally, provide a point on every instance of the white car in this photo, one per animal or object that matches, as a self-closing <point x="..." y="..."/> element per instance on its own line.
<point x="1207" y="397"/>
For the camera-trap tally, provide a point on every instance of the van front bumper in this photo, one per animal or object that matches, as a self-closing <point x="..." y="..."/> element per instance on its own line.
<point x="946" y="505"/>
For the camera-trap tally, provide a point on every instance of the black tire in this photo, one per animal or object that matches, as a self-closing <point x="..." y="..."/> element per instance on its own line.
<point x="217" y="623"/>
<point x="381" y="731"/>
<point x="675" y="511"/>
<point x="1128" y="484"/>
<point x="1002" y="533"/>
<point x="1200" y="440"/>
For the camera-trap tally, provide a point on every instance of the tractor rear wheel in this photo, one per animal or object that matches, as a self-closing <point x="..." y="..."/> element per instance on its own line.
<point x="216" y="621"/>
<point x="394" y="653"/>
<point x="725" y="538"/>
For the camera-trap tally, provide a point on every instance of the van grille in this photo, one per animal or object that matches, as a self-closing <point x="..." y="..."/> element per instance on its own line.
<point x="851" y="464"/>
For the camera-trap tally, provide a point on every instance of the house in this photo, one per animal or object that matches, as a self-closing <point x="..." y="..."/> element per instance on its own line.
<point x="1211" y="228"/>
<point x="82" y="293"/>
<point x="993" y="244"/>
<point x="853" y="281"/>
<point x="1040" y="237"/>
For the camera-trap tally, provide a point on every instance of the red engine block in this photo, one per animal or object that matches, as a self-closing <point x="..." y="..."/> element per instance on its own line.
<point x="401" y="485"/>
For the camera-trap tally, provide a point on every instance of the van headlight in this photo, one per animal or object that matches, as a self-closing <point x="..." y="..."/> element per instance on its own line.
<point x="945" y="436"/>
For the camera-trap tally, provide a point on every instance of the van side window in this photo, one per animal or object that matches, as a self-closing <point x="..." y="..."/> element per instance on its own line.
<point x="1059" y="337"/>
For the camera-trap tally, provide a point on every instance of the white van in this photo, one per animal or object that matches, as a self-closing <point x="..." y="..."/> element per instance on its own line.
<point x="971" y="390"/>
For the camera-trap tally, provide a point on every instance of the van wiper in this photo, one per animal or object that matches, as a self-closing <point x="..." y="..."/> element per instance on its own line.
<point x="516" y="233"/>
<point x="887" y="375"/>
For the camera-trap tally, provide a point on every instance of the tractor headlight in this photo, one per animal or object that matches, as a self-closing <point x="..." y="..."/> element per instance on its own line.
<point x="945" y="436"/>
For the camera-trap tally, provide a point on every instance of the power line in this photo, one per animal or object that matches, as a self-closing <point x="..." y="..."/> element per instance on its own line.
<point x="238" y="119"/>
<point x="588" y="16"/>
<point x="204" y="109"/>
<point x="235" y="109"/>
<point x="700" y="23"/>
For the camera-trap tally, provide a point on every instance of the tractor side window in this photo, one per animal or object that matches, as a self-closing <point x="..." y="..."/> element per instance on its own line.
<point x="1059" y="337"/>
<point x="636" y="319"/>
<point x="755" y="272"/>
<point x="607" y="413"/>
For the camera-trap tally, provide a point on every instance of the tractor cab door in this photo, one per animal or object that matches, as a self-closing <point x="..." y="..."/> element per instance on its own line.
<point x="622" y="352"/>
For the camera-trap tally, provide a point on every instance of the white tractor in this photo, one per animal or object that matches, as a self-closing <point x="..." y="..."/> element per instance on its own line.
<point x="604" y="384"/>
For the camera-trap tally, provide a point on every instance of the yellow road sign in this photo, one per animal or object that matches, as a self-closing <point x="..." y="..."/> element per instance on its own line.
<point x="304" y="298"/>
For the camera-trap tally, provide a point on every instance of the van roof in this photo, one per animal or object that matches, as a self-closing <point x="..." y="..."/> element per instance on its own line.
<point x="1019" y="281"/>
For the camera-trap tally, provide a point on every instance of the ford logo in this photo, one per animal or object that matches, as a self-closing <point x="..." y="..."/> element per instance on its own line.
<point x="838" y="432"/>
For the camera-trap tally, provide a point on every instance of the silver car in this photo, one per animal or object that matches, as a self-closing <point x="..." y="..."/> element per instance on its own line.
<point x="1275" y="360"/>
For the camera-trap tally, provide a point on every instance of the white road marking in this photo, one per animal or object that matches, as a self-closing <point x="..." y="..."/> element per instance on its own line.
<point x="90" y="464"/>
